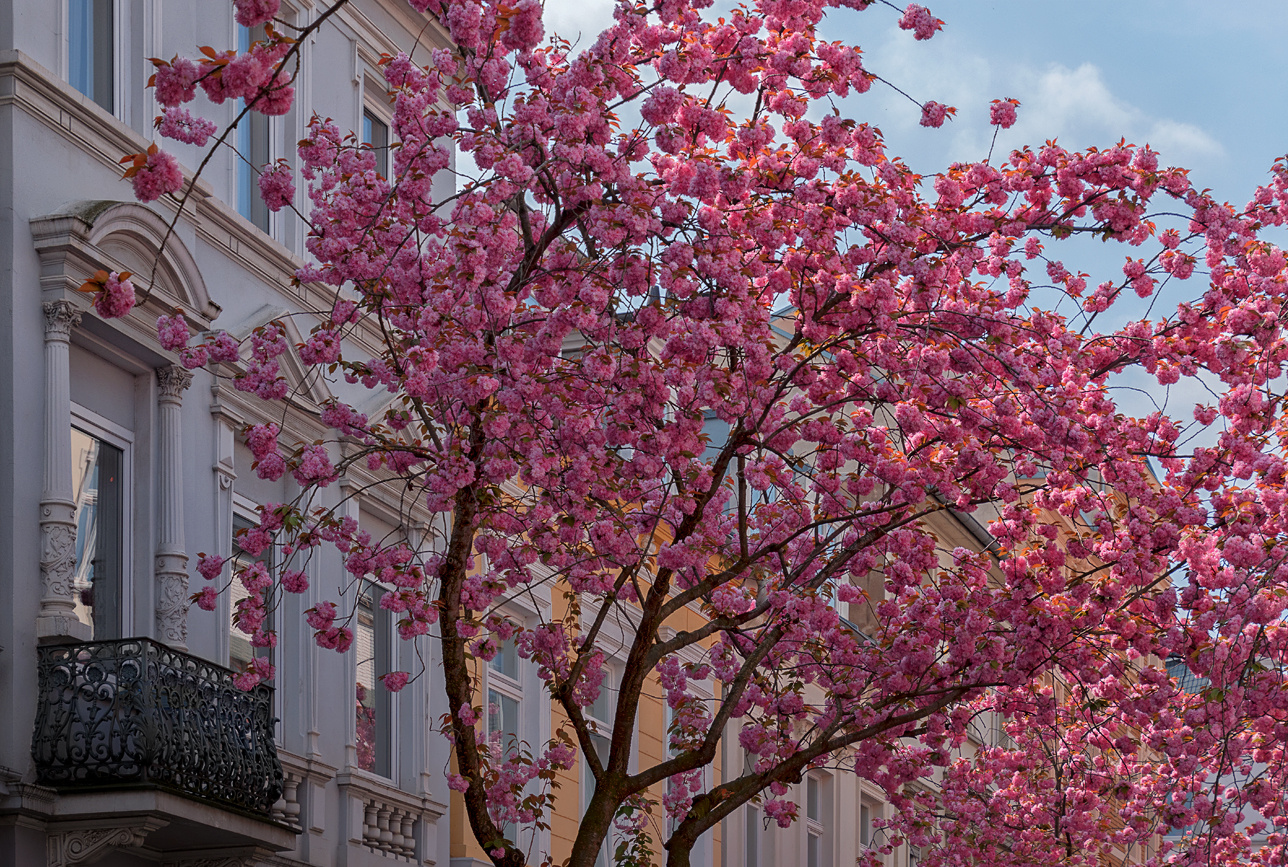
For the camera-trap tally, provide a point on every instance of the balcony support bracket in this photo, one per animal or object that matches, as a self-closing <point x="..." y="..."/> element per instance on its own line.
<point x="86" y="845"/>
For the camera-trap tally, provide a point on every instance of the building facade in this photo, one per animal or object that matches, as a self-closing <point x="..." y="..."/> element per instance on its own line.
<point x="122" y="738"/>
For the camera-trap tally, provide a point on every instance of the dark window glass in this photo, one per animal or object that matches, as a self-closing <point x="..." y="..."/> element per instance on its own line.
<point x="253" y="147"/>
<point x="372" y="700"/>
<point x="91" y="50"/>
<point x="375" y="134"/>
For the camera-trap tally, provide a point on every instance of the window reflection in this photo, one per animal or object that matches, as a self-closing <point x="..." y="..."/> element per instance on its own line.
<point x="371" y="703"/>
<point x="99" y="495"/>
<point x="240" y="650"/>
<point x="375" y="135"/>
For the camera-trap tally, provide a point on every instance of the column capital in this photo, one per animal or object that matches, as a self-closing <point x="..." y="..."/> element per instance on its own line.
<point x="173" y="379"/>
<point x="60" y="318"/>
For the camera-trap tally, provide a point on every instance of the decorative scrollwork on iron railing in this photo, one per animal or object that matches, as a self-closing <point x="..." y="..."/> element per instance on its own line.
<point x="133" y="712"/>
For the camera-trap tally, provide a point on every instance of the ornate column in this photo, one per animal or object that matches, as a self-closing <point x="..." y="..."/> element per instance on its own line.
<point x="57" y="618"/>
<point x="171" y="558"/>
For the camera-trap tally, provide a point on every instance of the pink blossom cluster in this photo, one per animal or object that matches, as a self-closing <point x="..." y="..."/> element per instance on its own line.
<point x="1002" y="112"/>
<point x="252" y="13"/>
<point x="919" y="20"/>
<point x="181" y="125"/>
<point x="277" y="186"/>
<point x="160" y="174"/>
<point x="114" y="296"/>
<point x="753" y="372"/>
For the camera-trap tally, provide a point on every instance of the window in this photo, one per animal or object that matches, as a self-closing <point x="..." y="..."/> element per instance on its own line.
<point x="599" y="714"/>
<point x="91" y="49"/>
<point x="504" y="696"/>
<point x="375" y="135"/>
<point x="817" y="810"/>
<point x="751" y="837"/>
<point x="371" y="704"/>
<point x="717" y="432"/>
<point x="914" y="856"/>
<point x="504" y="700"/>
<point x="869" y="813"/>
<point x="758" y="839"/>
<point x="253" y="147"/>
<point x="240" y="650"/>
<point x="99" y="491"/>
<point x="668" y="722"/>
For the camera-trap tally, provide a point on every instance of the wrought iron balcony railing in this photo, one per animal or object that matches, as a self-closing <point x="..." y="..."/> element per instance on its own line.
<point x="134" y="713"/>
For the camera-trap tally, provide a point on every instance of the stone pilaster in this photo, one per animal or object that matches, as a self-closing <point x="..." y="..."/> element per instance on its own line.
<point x="57" y="618"/>
<point x="171" y="557"/>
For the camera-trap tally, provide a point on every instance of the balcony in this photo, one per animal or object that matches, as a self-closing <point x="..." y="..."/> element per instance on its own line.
<point x="132" y="714"/>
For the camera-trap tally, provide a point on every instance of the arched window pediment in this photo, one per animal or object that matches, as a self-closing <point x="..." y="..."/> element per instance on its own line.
<point x="86" y="236"/>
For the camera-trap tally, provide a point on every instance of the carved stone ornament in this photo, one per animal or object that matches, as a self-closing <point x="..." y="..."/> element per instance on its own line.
<point x="57" y="557"/>
<point x="219" y="861"/>
<point x="60" y="318"/>
<point x="173" y="380"/>
<point x="67" y="848"/>
<point x="172" y="601"/>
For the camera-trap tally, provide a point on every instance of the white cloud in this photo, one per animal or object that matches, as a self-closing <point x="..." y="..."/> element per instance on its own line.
<point x="1076" y="106"/>
<point x="579" y="21"/>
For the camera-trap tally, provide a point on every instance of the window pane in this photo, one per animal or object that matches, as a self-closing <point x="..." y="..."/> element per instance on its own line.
<point x="602" y="707"/>
<point x="813" y="852"/>
<point x="99" y="492"/>
<point x="602" y="746"/>
<point x="751" y="843"/>
<point x="253" y="146"/>
<point x="506" y="661"/>
<point x="372" y="704"/>
<point x="503" y="721"/>
<point x="91" y="48"/>
<point x="717" y="432"/>
<point x="240" y="651"/>
<point x="811" y="798"/>
<point x="375" y="134"/>
<point x="865" y="825"/>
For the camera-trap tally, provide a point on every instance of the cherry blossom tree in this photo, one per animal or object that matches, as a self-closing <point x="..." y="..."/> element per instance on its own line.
<point x="682" y="337"/>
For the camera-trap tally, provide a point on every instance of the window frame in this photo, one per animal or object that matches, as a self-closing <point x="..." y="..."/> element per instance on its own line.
<point x="602" y="732"/>
<point x="92" y="424"/>
<point x="246" y="514"/>
<point x="373" y="102"/>
<point x="506" y="686"/>
<point x="753" y="828"/>
<point x="247" y="167"/>
<point x="382" y="152"/>
<point x="246" y="511"/>
<point x="496" y="680"/>
<point x="117" y="87"/>
<point x="384" y="702"/>
<point x="817" y="802"/>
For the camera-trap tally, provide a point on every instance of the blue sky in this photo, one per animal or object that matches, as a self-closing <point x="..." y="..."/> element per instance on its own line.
<point x="1202" y="82"/>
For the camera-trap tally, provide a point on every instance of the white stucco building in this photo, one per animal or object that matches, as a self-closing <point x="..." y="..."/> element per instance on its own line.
<point x="117" y="467"/>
